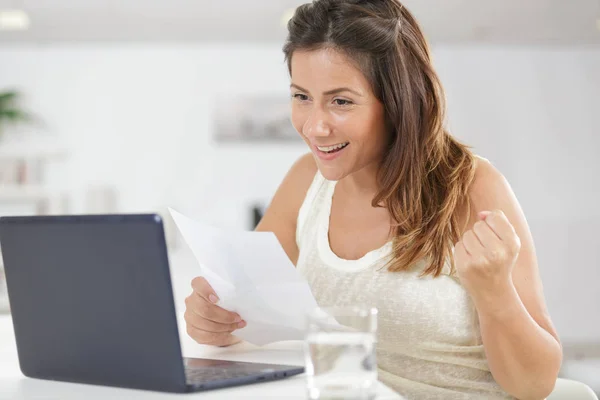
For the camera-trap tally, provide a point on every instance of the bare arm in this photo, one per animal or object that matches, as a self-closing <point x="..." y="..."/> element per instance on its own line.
<point x="520" y="341"/>
<point x="282" y="213"/>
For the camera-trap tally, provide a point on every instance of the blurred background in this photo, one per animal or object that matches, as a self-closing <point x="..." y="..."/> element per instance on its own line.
<point x="138" y="105"/>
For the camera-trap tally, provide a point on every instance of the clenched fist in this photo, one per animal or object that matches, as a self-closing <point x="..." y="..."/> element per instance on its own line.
<point x="485" y="255"/>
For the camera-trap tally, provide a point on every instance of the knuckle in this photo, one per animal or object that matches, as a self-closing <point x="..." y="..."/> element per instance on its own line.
<point x="207" y="325"/>
<point x="186" y="317"/>
<point x="202" y="310"/>
<point x="483" y="262"/>
<point x="214" y="313"/>
<point x="470" y="238"/>
<point x="479" y="225"/>
<point x="497" y="255"/>
<point x="199" y="336"/>
<point x="219" y="315"/>
<point x="193" y="303"/>
<point x="194" y="334"/>
<point x="192" y="318"/>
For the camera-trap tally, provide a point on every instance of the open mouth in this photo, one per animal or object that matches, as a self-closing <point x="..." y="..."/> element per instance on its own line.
<point x="333" y="149"/>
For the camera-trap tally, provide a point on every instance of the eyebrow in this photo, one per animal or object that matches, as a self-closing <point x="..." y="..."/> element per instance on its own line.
<point x="329" y="92"/>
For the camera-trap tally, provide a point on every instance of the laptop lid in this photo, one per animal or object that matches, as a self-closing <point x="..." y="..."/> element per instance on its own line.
<point x="92" y="301"/>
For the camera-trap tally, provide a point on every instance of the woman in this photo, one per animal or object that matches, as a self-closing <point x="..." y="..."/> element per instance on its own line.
<point x="390" y="210"/>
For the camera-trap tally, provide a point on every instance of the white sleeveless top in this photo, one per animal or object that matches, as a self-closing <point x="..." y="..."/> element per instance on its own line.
<point x="429" y="342"/>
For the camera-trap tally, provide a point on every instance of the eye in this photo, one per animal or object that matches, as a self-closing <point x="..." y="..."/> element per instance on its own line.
<point x="300" y="96"/>
<point x="342" y="102"/>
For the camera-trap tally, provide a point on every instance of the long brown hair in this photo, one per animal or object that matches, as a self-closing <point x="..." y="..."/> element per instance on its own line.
<point x="425" y="175"/>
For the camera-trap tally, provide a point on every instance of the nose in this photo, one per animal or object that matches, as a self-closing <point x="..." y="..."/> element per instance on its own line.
<point x="317" y="124"/>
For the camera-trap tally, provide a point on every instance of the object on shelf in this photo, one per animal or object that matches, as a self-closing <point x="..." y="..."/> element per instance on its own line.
<point x="254" y="118"/>
<point x="24" y="161"/>
<point x="257" y="210"/>
<point x="20" y="171"/>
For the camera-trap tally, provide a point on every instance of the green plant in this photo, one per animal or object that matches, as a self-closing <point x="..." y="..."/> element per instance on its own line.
<point x="10" y="112"/>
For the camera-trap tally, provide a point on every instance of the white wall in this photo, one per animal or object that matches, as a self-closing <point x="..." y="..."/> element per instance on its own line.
<point x="535" y="114"/>
<point x="139" y="117"/>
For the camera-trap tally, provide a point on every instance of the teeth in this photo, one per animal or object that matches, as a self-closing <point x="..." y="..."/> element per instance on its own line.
<point x="334" y="147"/>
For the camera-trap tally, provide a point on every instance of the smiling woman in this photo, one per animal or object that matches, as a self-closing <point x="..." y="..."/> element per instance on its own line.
<point x="340" y="97"/>
<point x="390" y="210"/>
<point x="328" y="91"/>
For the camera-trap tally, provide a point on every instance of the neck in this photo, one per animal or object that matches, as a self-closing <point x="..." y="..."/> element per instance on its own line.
<point x="362" y="183"/>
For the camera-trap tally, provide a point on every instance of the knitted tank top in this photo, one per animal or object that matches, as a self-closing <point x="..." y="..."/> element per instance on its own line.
<point x="429" y="342"/>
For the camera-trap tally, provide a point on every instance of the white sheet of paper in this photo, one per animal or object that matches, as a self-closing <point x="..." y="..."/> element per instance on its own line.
<point x="252" y="275"/>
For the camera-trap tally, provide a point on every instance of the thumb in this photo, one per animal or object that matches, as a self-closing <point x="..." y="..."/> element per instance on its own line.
<point x="483" y="215"/>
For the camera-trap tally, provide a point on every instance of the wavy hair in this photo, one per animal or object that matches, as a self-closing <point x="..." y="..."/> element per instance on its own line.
<point x="424" y="177"/>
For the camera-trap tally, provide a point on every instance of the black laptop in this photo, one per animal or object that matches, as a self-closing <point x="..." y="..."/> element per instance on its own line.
<point x="92" y="302"/>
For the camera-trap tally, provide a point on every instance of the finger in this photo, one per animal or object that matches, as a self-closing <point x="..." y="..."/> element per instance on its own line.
<point x="210" y="338"/>
<point x="486" y="235"/>
<point x="500" y="225"/>
<point x="204" y="309"/>
<point x="483" y="214"/>
<point x="472" y="243"/>
<point x="210" y="326"/>
<point x="204" y="290"/>
<point x="215" y="313"/>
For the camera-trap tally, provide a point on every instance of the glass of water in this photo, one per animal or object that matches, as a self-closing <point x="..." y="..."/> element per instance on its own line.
<point x="339" y="353"/>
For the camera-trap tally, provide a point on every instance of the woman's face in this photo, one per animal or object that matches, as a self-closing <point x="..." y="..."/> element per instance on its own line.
<point x="336" y="113"/>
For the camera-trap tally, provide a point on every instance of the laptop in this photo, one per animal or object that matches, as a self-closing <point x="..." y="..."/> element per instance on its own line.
<point x="92" y="302"/>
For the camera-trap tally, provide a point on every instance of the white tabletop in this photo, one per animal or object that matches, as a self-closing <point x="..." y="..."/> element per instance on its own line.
<point x="14" y="386"/>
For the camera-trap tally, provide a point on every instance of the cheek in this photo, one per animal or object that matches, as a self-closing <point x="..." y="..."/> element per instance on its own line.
<point x="364" y="130"/>
<point x="371" y="136"/>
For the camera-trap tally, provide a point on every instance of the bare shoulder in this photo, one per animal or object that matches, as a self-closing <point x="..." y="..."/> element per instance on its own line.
<point x="282" y="213"/>
<point x="490" y="189"/>
<point x="302" y="173"/>
<point x="295" y="185"/>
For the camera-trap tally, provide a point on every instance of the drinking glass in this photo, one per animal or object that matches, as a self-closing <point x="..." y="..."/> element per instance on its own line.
<point x="339" y="353"/>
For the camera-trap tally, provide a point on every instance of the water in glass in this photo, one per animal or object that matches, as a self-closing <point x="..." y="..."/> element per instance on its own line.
<point x="341" y="363"/>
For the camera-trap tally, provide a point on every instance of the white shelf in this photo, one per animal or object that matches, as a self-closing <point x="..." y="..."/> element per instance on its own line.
<point x="40" y="149"/>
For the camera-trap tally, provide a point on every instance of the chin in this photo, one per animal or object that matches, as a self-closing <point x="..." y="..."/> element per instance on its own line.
<point x="331" y="174"/>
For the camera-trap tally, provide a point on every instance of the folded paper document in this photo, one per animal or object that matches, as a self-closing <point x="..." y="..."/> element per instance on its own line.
<point x="252" y="275"/>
